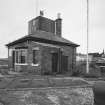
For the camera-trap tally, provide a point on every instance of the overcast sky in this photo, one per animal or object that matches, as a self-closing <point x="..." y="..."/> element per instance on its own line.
<point x="15" y="14"/>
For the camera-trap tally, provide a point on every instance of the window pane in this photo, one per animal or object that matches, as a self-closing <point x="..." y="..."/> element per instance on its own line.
<point x="17" y="57"/>
<point x="23" y="56"/>
<point x="13" y="58"/>
<point x="35" y="55"/>
<point x="23" y="59"/>
<point x="10" y="52"/>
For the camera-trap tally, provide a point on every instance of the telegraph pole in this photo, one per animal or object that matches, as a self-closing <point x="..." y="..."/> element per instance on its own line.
<point x="87" y="63"/>
<point x="36" y="7"/>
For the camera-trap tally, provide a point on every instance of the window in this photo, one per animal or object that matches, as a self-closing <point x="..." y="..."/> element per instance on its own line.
<point x="16" y="56"/>
<point x="35" y="56"/>
<point x="13" y="58"/>
<point x="21" y="56"/>
<point x="34" y="22"/>
<point x="10" y="52"/>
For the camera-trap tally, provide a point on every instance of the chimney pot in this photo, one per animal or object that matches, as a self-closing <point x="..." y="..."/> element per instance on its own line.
<point x="59" y="15"/>
<point x="41" y="13"/>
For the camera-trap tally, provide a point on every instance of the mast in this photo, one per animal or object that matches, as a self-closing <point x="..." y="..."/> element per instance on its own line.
<point x="87" y="63"/>
<point x="36" y="8"/>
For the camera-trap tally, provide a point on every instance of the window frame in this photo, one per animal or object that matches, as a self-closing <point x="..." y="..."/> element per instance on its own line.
<point x="35" y="49"/>
<point x="18" y="55"/>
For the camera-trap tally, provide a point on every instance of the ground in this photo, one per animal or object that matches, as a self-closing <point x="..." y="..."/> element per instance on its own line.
<point x="48" y="96"/>
<point x="45" y="90"/>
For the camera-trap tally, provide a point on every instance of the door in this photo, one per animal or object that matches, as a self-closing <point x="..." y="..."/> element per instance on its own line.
<point x="64" y="63"/>
<point x="54" y="62"/>
<point x="13" y="59"/>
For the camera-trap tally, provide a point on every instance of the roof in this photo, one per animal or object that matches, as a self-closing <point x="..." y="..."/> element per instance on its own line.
<point x="45" y="37"/>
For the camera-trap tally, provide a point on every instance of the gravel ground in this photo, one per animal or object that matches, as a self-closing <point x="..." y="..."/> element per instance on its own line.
<point x="37" y="90"/>
<point x="48" y="96"/>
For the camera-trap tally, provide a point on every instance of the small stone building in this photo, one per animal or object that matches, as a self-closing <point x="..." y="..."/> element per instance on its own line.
<point x="43" y="50"/>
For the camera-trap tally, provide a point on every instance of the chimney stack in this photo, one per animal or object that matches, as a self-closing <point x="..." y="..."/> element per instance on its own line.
<point x="42" y="23"/>
<point x="58" y="25"/>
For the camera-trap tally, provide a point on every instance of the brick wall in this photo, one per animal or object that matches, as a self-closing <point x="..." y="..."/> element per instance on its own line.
<point x="47" y="58"/>
<point x="41" y="23"/>
<point x="71" y="53"/>
<point x="58" y="23"/>
<point x="44" y="57"/>
<point x="44" y="24"/>
<point x="11" y="49"/>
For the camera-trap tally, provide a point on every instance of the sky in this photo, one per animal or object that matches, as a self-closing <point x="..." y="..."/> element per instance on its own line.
<point x="15" y="14"/>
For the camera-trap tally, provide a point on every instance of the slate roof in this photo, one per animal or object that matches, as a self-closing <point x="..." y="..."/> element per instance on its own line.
<point x="45" y="37"/>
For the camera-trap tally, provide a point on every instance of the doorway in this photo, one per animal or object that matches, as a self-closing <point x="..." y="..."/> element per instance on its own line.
<point x="54" y="62"/>
<point x="64" y="63"/>
<point x="13" y="59"/>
